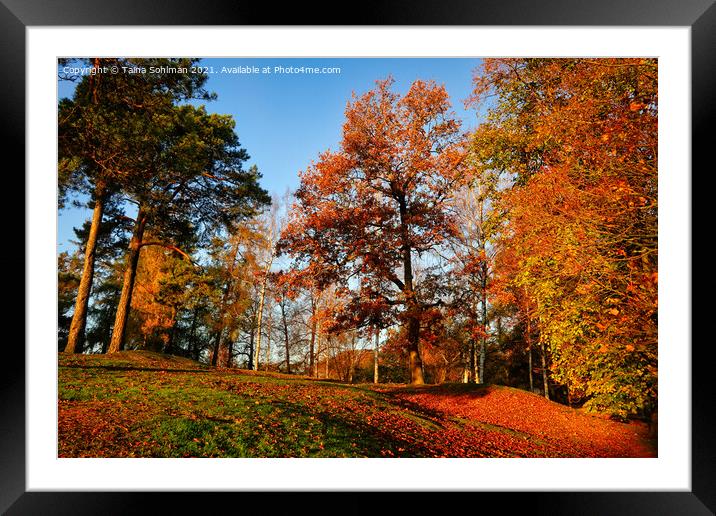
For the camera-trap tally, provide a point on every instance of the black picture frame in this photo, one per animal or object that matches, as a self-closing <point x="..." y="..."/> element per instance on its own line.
<point x="17" y="15"/>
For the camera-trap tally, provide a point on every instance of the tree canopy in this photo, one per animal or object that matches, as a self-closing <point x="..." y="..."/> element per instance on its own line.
<point x="364" y="213"/>
<point x="522" y="251"/>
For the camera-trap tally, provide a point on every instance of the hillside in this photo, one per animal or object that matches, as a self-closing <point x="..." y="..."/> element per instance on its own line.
<point x="142" y="404"/>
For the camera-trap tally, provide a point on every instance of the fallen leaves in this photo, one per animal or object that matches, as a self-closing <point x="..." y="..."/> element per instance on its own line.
<point x="126" y="413"/>
<point x="562" y="431"/>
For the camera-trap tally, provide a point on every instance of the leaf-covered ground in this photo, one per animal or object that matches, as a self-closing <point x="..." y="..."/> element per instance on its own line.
<point x="141" y="404"/>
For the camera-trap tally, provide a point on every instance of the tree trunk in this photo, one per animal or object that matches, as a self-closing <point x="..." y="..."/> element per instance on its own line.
<point x="222" y="306"/>
<point x="328" y="354"/>
<point x="473" y="362"/>
<point x="529" y="352"/>
<point x="317" y="354"/>
<point x="169" y="347"/>
<point x="285" y="334"/>
<point x="75" y="338"/>
<point x="252" y="364"/>
<point x="483" y="339"/>
<point x="79" y="318"/>
<point x="217" y="347"/>
<point x="320" y="344"/>
<point x="230" y="352"/>
<point x="259" y="316"/>
<point x="415" y="364"/>
<point x="130" y="274"/>
<point x="529" y="365"/>
<point x="375" y="355"/>
<point x="267" y="362"/>
<point x="352" y="358"/>
<point x="191" y="345"/>
<point x="312" y="343"/>
<point x="544" y="370"/>
<point x="473" y="374"/>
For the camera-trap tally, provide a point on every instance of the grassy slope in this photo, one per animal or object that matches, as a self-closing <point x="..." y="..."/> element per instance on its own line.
<point x="142" y="404"/>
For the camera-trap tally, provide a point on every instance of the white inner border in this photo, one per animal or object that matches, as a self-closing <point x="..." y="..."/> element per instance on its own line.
<point x="670" y="471"/>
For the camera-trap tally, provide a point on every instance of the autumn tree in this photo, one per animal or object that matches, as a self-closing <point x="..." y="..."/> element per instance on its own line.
<point x="105" y="144"/>
<point x="284" y="293"/>
<point x="348" y="354"/>
<point x="578" y="137"/>
<point x="110" y="241"/>
<point x="372" y="208"/>
<point x="476" y="226"/>
<point x="326" y="311"/>
<point x="270" y="230"/>
<point x="69" y="269"/>
<point x="196" y="321"/>
<point x="197" y="186"/>
<point x="152" y="318"/>
<point x="233" y="267"/>
<point x="162" y="289"/>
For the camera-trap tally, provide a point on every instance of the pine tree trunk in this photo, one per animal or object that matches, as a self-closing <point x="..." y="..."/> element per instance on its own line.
<point x="125" y="299"/>
<point x="79" y="318"/>
<point x="75" y="338"/>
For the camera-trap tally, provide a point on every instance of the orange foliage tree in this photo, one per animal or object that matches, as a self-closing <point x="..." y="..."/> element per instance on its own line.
<point x="578" y="139"/>
<point x="365" y="213"/>
<point x="160" y="293"/>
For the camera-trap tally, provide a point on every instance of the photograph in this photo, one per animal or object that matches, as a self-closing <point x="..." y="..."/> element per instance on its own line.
<point x="357" y="257"/>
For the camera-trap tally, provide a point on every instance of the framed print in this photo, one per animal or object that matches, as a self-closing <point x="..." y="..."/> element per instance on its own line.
<point x="306" y="94"/>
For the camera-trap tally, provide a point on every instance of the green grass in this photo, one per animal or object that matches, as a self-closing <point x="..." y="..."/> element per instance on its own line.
<point x="143" y="404"/>
<point x="179" y="413"/>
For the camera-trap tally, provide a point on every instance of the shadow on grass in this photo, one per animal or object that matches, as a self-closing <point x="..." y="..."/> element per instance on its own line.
<point x="134" y="368"/>
<point x="479" y="390"/>
<point x="348" y="435"/>
<point x="287" y="430"/>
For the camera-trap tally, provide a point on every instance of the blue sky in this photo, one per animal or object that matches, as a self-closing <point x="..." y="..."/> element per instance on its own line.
<point x="285" y="120"/>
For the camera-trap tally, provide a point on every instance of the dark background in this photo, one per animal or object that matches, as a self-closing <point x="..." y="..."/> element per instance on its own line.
<point x="16" y="15"/>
